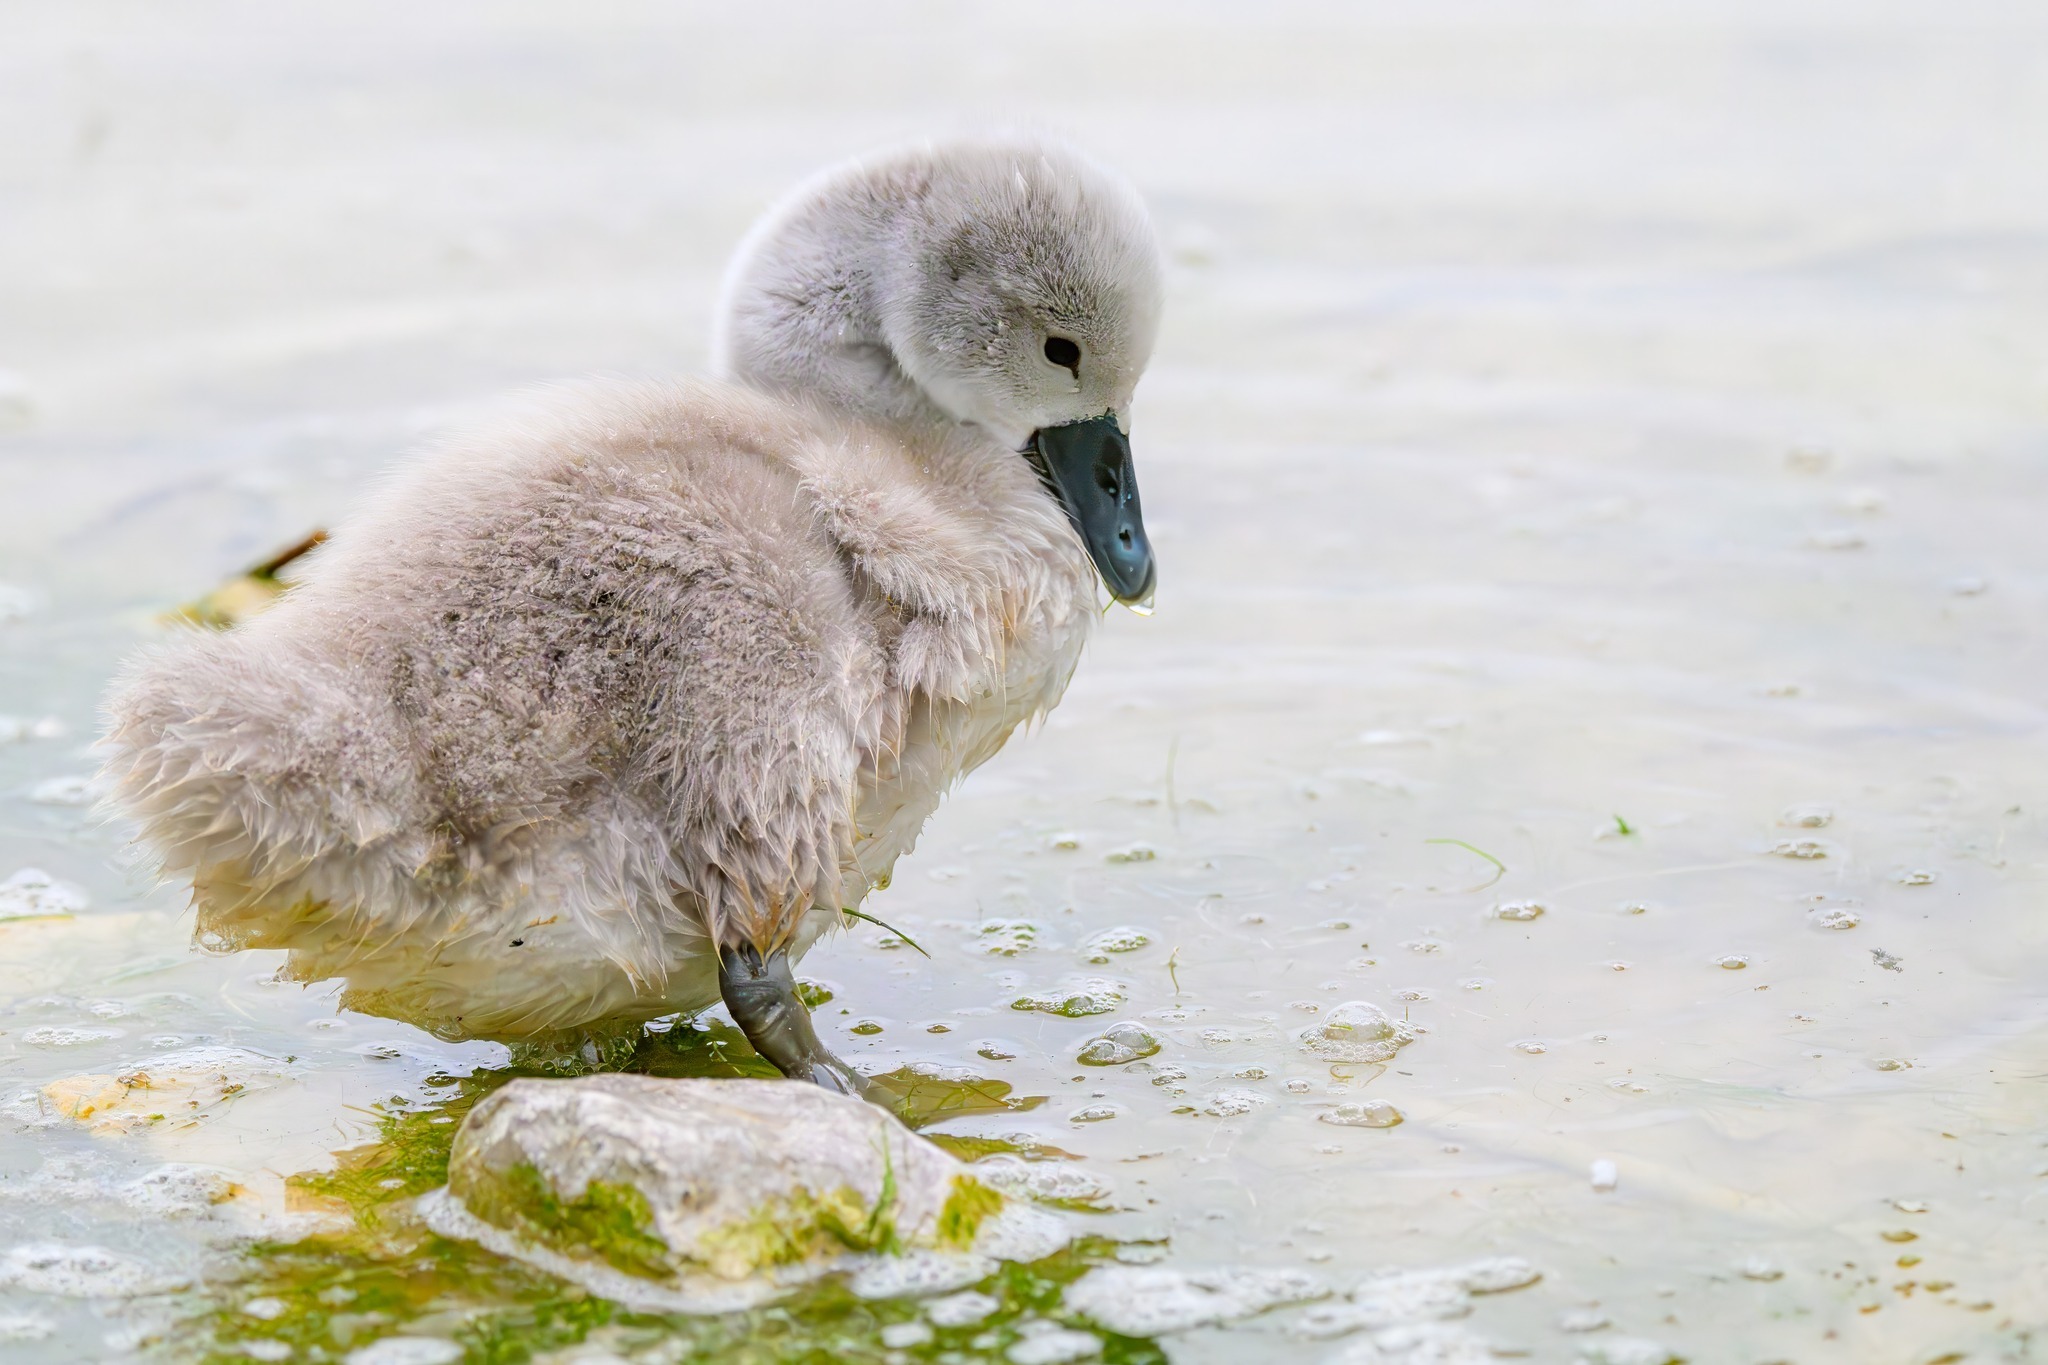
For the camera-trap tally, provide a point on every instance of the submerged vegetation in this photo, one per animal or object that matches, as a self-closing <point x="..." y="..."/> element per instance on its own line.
<point x="378" y="1272"/>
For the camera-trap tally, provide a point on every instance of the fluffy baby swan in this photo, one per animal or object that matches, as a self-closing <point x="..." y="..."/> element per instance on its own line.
<point x="605" y="713"/>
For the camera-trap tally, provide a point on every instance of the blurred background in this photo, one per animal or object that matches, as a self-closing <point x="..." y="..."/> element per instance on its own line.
<point x="1611" y="436"/>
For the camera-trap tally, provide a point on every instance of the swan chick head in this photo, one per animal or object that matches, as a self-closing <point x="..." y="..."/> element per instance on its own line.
<point x="1008" y="286"/>
<point x="1020" y="289"/>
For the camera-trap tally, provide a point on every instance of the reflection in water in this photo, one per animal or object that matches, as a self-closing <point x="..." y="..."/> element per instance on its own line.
<point x="376" y="1272"/>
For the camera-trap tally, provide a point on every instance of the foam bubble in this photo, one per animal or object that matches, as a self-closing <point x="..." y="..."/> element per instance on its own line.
<point x="1058" y="1181"/>
<point x="1053" y="1345"/>
<point x="1149" y="1300"/>
<point x="1363" y="1114"/>
<point x="1354" y="1031"/>
<point x="1121" y="939"/>
<point x="405" y="1351"/>
<point x="1628" y="1351"/>
<point x="1006" y="937"/>
<point x="178" y="1188"/>
<point x="960" y="1310"/>
<point x="1092" y="995"/>
<point x="1119" y="1043"/>
<point x="33" y="893"/>
<point x="916" y="1273"/>
<point x="25" y="1327"/>
<point x="1422" y="1343"/>
<point x="51" y="1035"/>
<point x="79" y="1272"/>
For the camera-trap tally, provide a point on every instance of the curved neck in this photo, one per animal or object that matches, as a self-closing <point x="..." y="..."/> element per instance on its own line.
<point x="800" y="315"/>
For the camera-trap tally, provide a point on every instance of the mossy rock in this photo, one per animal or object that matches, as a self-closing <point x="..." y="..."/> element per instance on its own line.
<point x="680" y="1183"/>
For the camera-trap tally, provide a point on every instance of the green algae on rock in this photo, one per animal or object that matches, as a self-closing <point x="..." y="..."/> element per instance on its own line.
<point x="380" y="1271"/>
<point x="610" y="1219"/>
<point x="719" y="1193"/>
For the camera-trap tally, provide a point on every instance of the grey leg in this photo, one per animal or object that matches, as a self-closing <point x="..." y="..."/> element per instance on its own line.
<point x="761" y="993"/>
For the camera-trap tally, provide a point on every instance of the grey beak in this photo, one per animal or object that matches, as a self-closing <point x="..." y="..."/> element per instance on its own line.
<point x="1087" y="466"/>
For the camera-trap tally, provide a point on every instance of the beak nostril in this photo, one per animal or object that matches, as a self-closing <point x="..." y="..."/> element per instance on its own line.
<point x="1125" y="537"/>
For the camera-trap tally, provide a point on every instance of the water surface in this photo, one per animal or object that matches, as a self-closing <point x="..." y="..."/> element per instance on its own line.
<point x="1594" y="466"/>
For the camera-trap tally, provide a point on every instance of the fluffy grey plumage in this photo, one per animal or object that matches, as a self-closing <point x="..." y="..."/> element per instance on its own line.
<point x="661" y="666"/>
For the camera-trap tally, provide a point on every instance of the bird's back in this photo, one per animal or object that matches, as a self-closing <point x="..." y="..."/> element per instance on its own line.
<point x="571" y="690"/>
<point x="471" y="727"/>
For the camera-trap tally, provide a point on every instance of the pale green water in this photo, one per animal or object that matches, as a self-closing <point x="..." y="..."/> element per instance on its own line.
<point x="1554" y="422"/>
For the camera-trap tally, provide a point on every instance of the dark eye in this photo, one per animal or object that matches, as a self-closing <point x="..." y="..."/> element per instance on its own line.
<point x="1064" y="354"/>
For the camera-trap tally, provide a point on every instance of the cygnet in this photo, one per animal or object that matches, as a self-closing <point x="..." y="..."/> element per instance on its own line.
<point x="608" y="711"/>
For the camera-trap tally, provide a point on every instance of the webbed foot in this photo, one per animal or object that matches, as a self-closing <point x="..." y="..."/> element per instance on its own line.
<point x="761" y="994"/>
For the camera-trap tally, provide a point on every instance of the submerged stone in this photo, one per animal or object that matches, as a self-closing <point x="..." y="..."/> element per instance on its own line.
<point x="701" y="1193"/>
<point x="181" y="1088"/>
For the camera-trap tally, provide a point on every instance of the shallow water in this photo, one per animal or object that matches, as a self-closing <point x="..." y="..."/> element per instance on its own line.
<point x="1593" y="466"/>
